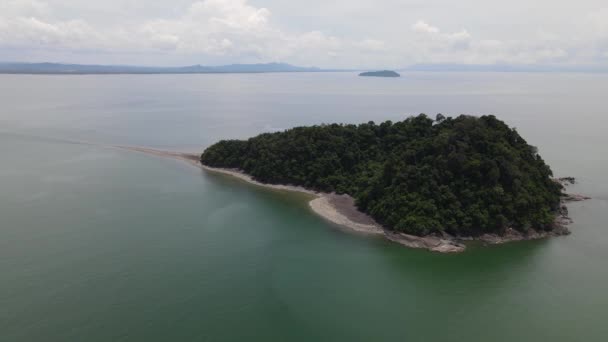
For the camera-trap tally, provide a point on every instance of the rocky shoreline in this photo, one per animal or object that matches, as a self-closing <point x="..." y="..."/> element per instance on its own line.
<point x="341" y="210"/>
<point x="560" y="225"/>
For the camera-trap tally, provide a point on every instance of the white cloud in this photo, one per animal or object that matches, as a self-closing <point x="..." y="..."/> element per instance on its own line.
<point x="372" y="45"/>
<point x="12" y="8"/>
<point x="422" y="27"/>
<point x="237" y="31"/>
<point x="33" y="31"/>
<point x="598" y="21"/>
<point x="222" y="28"/>
<point x="30" y="23"/>
<point x="229" y="27"/>
<point x="461" y="47"/>
<point x="234" y="28"/>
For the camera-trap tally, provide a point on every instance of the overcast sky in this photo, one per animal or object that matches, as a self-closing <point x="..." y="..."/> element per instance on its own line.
<point x="325" y="33"/>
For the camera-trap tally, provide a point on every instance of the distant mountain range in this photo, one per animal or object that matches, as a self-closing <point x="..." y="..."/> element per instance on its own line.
<point x="57" y="68"/>
<point x="505" y="68"/>
<point x="79" y="69"/>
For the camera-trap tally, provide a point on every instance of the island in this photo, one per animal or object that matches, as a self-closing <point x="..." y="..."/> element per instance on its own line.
<point x="382" y="73"/>
<point x="421" y="182"/>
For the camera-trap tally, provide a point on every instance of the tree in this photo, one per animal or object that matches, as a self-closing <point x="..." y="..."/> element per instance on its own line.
<point x="465" y="176"/>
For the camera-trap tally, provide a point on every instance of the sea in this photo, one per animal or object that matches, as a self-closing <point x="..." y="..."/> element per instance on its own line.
<point x="104" y="244"/>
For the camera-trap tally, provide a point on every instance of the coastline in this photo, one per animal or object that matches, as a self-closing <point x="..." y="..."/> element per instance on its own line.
<point x="323" y="204"/>
<point x="341" y="211"/>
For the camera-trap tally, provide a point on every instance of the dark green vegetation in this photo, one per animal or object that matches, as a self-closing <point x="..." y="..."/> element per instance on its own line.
<point x="383" y="73"/>
<point x="465" y="176"/>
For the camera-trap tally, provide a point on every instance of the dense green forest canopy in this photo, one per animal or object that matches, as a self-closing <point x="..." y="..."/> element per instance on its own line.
<point x="465" y="176"/>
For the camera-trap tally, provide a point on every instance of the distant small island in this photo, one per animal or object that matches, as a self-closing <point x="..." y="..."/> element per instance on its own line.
<point x="382" y="73"/>
<point x="421" y="182"/>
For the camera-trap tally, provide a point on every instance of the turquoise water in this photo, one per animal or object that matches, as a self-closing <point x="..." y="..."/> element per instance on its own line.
<point x="99" y="244"/>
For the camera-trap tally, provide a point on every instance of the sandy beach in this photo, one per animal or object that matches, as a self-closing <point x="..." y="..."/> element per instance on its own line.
<point x="342" y="211"/>
<point x="338" y="209"/>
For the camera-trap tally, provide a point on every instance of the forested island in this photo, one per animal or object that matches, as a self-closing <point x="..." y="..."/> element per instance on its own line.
<point x="465" y="176"/>
<point x="382" y="73"/>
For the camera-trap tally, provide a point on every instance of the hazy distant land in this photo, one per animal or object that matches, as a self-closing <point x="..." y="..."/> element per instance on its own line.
<point x="80" y="69"/>
<point x="58" y="68"/>
<point x="382" y="73"/>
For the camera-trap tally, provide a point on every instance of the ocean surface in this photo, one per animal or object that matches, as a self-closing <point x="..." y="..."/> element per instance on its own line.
<point x="100" y="244"/>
